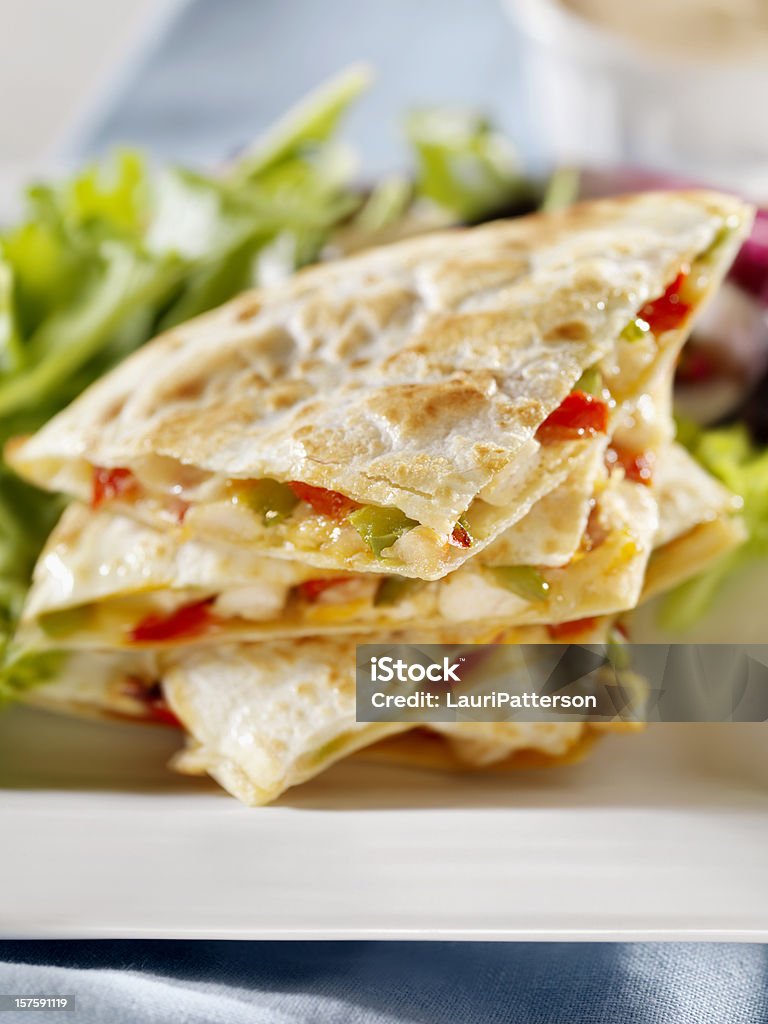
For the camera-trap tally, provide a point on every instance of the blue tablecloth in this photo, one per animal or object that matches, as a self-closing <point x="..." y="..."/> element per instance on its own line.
<point x="394" y="983"/>
<point x="220" y="73"/>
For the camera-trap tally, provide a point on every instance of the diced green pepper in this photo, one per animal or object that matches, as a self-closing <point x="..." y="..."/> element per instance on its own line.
<point x="591" y="382"/>
<point x="63" y="623"/>
<point x="269" y="499"/>
<point x="523" y="580"/>
<point x="720" y="240"/>
<point x="380" y="527"/>
<point x="635" y="330"/>
<point x="394" y="589"/>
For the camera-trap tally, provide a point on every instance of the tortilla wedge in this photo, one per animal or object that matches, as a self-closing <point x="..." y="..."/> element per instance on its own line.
<point x="263" y="718"/>
<point x="700" y="523"/>
<point x="260" y="719"/>
<point x="102" y="578"/>
<point x="409" y="384"/>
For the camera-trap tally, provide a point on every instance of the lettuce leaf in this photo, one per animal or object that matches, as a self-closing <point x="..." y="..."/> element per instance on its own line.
<point x="23" y="671"/>
<point x="562" y="189"/>
<point x="311" y="123"/>
<point x="464" y="165"/>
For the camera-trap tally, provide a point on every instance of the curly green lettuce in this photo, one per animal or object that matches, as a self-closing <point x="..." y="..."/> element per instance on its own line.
<point x="464" y="165"/>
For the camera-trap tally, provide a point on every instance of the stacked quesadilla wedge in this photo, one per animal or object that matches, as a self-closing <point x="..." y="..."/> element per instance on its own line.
<point x="465" y="437"/>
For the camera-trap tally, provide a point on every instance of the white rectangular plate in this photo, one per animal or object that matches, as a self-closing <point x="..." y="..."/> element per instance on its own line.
<point x="662" y="835"/>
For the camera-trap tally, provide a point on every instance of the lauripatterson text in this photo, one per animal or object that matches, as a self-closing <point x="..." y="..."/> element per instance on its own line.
<point x="496" y="699"/>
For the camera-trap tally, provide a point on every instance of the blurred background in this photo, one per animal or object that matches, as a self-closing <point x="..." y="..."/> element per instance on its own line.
<point x="54" y="57"/>
<point x="674" y="87"/>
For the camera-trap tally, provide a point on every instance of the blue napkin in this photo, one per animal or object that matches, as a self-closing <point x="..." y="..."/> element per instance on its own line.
<point x="394" y="983"/>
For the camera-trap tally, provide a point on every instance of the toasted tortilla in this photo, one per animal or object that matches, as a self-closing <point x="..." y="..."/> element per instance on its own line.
<point x="485" y="746"/>
<point x="98" y="555"/>
<point x="412" y="377"/>
<point x="265" y="717"/>
<point x="699" y="525"/>
<point x="597" y="571"/>
<point x="262" y="718"/>
<point x="691" y="495"/>
<point x="691" y="553"/>
<point x="127" y="572"/>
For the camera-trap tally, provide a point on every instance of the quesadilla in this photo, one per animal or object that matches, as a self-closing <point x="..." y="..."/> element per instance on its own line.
<point x="397" y="411"/>
<point x="462" y="438"/>
<point x="261" y="718"/>
<point x="108" y="581"/>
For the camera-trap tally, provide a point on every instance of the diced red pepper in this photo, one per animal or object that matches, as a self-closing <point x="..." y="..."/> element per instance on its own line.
<point x="189" y="621"/>
<point x="460" y="538"/>
<point x="158" y="711"/>
<point x="310" y="590"/>
<point x="667" y="312"/>
<point x="578" y="415"/>
<point x="109" y="484"/>
<point x="566" y="632"/>
<point x="638" y="466"/>
<point x="153" y="700"/>
<point x="325" y="502"/>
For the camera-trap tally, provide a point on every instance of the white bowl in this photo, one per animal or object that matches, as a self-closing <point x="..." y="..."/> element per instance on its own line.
<point x="597" y="98"/>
